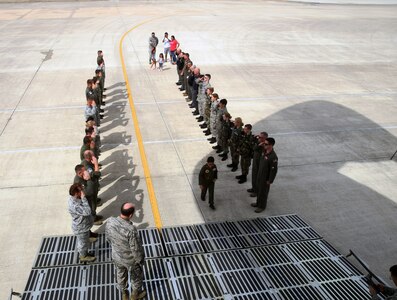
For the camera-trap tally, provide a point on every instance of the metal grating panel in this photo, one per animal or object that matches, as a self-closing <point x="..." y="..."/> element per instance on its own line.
<point x="346" y="290"/>
<point x="325" y="270"/>
<point x="155" y="269"/>
<point x="61" y="250"/>
<point x="53" y="295"/>
<point x="279" y="257"/>
<point x="243" y="281"/>
<point x="231" y="260"/>
<point x="108" y="292"/>
<point x="218" y="236"/>
<point x="162" y="289"/>
<point x="257" y="296"/>
<point x="302" y="292"/>
<point x="181" y="240"/>
<point x="308" y="250"/>
<point x="199" y="287"/>
<point x="271" y="255"/>
<point x="151" y="242"/>
<point x="283" y="276"/>
<point x="189" y="265"/>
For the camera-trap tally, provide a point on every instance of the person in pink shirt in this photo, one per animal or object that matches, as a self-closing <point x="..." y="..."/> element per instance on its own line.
<point x="174" y="44"/>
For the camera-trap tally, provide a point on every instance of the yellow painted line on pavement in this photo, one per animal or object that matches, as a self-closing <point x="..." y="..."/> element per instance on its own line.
<point x="152" y="195"/>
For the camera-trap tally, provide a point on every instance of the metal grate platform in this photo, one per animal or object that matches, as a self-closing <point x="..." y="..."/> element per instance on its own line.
<point x="278" y="257"/>
<point x="181" y="240"/>
<point x="61" y="250"/>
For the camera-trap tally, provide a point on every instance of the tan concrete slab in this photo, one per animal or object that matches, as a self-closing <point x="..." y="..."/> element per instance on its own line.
<point x="175" y="198"/>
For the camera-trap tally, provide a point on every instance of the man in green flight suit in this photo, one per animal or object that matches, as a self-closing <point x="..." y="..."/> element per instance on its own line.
<point x="207" y="177"/>
<point x="245" y="149"/>
<point x="267" y="172"/>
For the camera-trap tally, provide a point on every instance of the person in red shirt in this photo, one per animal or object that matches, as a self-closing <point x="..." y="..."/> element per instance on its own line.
<point x="174" y="44"/>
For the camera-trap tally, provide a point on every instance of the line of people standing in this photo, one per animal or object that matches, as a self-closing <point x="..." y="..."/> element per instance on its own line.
<point x="83" y="194"/>
<point x="127" y="249"/>
<point x="231" y="137"/>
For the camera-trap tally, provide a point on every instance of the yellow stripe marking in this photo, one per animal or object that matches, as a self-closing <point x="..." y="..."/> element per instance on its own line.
<point x="152" y="195"/>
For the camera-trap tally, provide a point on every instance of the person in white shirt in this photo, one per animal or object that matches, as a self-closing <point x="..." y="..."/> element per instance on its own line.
<point x="166" y="43"/>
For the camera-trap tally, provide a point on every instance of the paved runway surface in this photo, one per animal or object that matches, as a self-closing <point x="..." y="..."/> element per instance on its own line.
<point x="319" y="78"/>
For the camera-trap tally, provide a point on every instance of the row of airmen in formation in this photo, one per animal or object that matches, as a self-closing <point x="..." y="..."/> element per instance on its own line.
<point x="232" y="137"/>
<point x="127" y="250"/>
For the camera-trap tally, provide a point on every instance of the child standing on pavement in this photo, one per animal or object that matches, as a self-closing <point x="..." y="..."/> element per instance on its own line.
<point x="161" y="61"/>
<point x="207" y="177"/>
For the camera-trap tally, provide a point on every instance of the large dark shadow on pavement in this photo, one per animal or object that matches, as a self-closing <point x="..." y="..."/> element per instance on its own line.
<point x="314" y="141"/>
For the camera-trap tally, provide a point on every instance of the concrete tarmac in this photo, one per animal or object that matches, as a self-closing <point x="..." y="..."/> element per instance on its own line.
<point x="319" y="78"/>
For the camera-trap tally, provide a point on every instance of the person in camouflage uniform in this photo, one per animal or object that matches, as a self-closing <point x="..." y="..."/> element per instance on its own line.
<point x="234" y="143"/>
<point x="222" y="109"/>
<point x="245" y="150"/>
<point x="225" y="133"/>
<point x="204" y="83"/>
<point x="207" y="111"/>
<point x="127" y="252"/>
<point x="213" y="114"/>
<point x="82" y="221"/>
<point x="207" y="177"/>
<point x="257" y="149"/>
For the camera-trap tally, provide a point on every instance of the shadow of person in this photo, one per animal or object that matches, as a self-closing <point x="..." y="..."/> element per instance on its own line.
<point x="118" y="84"/>
<point x="116" y="92"/>
<point x="119" y="185"/>
<point x="334" y="171"/>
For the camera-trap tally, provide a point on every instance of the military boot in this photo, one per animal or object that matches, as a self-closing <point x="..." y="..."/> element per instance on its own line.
<point x="234" y="168"/>
<point x="125" y="295"/>
<point x="138" y="295"/>
<point x="243" y="179"/>
<point x="239" y="176"/>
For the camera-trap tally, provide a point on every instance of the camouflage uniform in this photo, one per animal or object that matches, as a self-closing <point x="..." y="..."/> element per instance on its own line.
<point x="234" y="143"/>
<point x="267" y="173"/>
<point x="225" y="133"/>
<point x="207" y="110"/>
<point x="213" y="120"/>
<point x="82" y="221"/>
<point x="202" y="97"/>
<point x="246" y="151"/>
<point x="127" y="252"/>
<point x="219" y="117"/>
